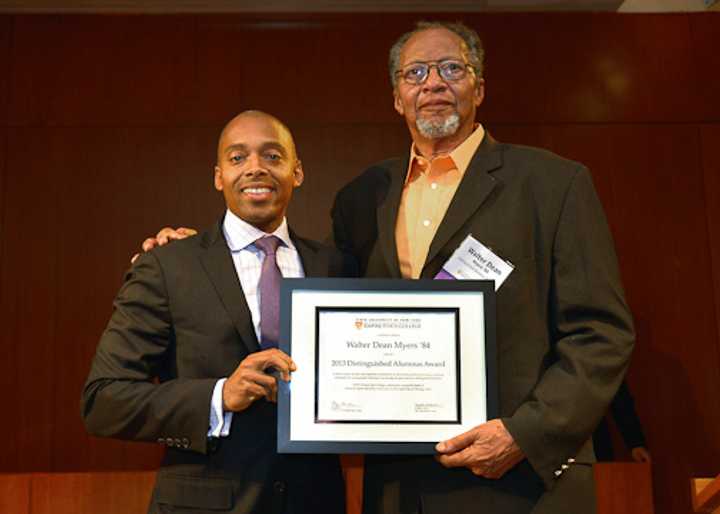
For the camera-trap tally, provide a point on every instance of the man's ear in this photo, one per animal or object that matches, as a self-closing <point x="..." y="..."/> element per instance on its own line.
<point x="479" y="92"/>
<point x="398" y="103"/>
<point x="217" y="178"/>
<point x="298" y="174"/>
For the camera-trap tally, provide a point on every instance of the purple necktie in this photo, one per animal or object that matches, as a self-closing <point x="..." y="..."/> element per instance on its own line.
<point x="269" y="288"/>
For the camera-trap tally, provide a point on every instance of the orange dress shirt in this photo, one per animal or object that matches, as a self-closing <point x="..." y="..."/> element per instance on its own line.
<point x="429" y="187"/>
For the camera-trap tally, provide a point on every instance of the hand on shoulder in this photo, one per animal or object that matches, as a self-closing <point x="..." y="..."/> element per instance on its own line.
<point x="163" y="237"/>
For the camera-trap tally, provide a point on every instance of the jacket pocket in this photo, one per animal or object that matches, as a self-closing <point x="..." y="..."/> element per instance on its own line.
<point x="194" y="492"/>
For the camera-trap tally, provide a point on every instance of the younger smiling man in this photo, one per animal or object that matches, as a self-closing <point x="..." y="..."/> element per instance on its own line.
<point x="183" y="359"/>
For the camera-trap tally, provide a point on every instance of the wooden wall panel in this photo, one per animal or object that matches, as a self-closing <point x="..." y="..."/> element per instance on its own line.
<point x="8" y="376"/>
<point x="706" y="64"/>
<point x="282" y="65"/>
<point x="332" y="155"/>
<point x="101" y="70"/>
<point x="28" y="302"/>
<point x="623" y="488"/>
<point x="586" y="68"/>
<point x="661" y="234"/>
<point x="15" y="493"/>
<point x="110" y="134"/>
<point x="5" y="39"/>
<point x="91" y="493"/>
<point x="617" y="74"/>
<point x="710" y="142"/>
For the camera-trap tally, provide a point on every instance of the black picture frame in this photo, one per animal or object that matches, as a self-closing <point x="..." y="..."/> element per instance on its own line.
<point x="289" y="287"/>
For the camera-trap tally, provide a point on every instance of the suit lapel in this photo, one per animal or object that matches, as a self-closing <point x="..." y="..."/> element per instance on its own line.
<point x="315" y="264"/>
<point x="218" y="265"/>
<point x="387" y="214"/>
<point x="474" y="188"/>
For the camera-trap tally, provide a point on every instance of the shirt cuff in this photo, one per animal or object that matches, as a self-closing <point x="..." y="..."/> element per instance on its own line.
<point x="219" y="421"/>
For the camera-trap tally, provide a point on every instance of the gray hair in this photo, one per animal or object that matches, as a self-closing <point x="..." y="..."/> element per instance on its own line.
<point x="476" y="53"/>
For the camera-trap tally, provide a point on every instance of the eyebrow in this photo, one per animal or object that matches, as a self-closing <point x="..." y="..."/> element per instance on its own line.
<point x="461" y="58"/>
<point x="269" y="145"/>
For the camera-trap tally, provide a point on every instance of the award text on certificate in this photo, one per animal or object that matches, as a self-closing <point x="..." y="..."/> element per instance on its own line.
<point x="387" y="365"/>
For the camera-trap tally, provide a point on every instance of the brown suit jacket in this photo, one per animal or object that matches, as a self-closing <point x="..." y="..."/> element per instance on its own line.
<point x="179" y="323"/>
<point x="564" y="331"/>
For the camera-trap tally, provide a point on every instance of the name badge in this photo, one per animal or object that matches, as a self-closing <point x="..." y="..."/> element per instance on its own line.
<point x="474" y="261"/>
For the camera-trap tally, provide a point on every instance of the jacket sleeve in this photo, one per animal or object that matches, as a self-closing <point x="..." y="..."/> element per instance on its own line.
<point x="133" y="391"/>
<point x="591" y="332"/>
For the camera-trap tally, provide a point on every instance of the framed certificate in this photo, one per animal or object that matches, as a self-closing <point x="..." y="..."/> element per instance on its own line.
<point x="385" y="366"/>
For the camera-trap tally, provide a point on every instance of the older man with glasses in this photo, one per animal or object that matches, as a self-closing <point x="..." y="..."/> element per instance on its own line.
<point x="564" y="331"/>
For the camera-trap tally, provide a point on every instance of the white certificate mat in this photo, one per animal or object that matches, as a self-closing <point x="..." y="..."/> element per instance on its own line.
<point x="385" y="366"/>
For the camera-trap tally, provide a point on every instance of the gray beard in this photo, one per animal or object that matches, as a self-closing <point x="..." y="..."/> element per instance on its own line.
<point x="436" y="129"/>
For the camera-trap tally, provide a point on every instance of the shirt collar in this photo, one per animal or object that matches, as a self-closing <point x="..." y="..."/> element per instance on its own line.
<point x="240" y="234"/>
<point x="460" y="156"/>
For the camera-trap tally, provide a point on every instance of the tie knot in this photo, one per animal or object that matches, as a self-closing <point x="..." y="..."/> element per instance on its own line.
<point x="268" y="244"/>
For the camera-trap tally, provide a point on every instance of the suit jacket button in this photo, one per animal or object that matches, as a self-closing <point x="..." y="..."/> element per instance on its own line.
<point x="279" y="487"/>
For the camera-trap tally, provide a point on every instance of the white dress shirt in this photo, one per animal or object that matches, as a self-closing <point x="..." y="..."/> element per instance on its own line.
<point x="240" y="237"/>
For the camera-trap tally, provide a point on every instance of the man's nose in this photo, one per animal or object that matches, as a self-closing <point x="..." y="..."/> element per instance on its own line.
<point x="254" y="165"/>
<point x="434" y="81"/>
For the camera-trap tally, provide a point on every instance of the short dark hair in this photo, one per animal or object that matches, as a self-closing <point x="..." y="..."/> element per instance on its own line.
<point x="476" y="52"/>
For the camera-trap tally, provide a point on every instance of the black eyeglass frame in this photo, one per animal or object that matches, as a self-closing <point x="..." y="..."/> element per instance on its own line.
<point x="434" y="64"/>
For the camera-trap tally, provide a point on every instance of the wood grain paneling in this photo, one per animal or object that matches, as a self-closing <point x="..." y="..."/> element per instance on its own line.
<point x="111" y="130"/>
<point x="661" y="234"/>
<point x="325" y="68"/>
<point x="28" y="302"/>
<point x="586" y="68"/>
<point x="3" y="147"/>
<point x="102" y="70"/>
<point x="623" y="488"/>
<point x="332" y="155"/>
<point x="706" y="64"/>
<point x="710" y="158"/>
<point x="283" y="66"/>
<point x="91" y="493"/>
<point x="15" y="493"/>
<point x="5" y="38"/>
<point x="8" y="375"/>
<point x="5" y="41"/>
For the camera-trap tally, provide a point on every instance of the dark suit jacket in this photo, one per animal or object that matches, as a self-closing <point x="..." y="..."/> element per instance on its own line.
<point x="564" y="331"/>
<point x="180" y="322"/>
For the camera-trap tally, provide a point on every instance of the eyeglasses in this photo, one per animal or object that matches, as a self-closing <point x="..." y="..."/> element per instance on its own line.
<point x="418" y="72"/>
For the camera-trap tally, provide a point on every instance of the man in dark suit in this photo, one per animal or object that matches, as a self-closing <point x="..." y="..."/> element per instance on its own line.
<point x="187" y="355"/>
<point x="564" y="332"/>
